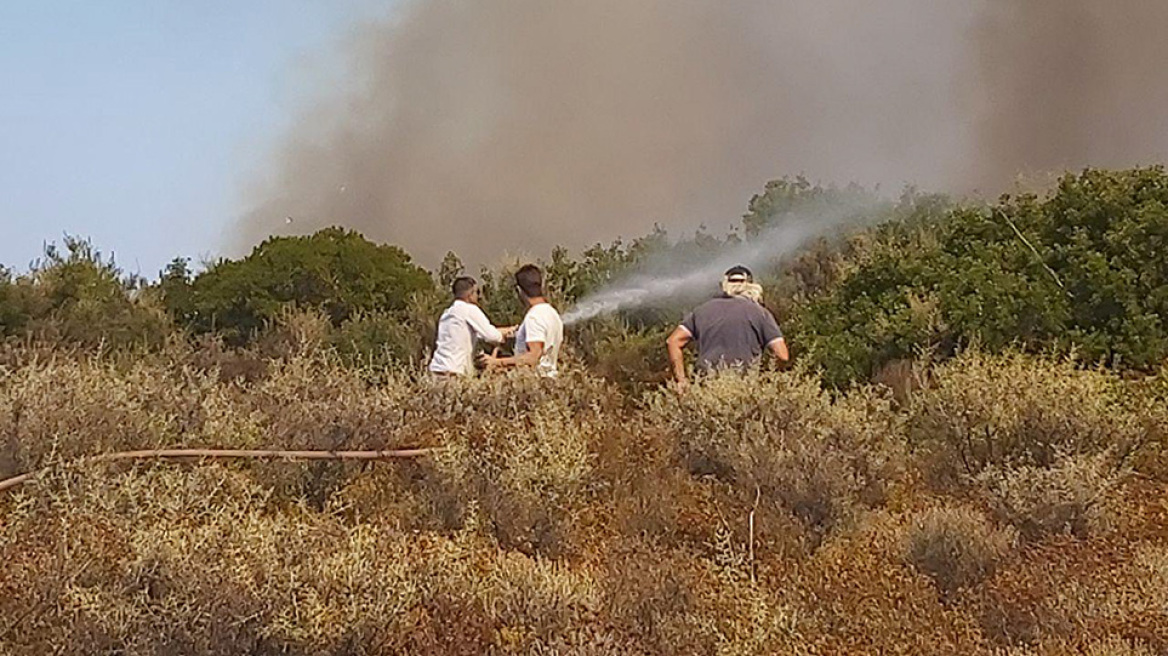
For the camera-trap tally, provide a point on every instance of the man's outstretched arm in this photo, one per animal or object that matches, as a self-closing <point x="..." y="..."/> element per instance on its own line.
<point x="484" y="329"/>
<point x="676" y="345"/>
<point x="530" y="358"/>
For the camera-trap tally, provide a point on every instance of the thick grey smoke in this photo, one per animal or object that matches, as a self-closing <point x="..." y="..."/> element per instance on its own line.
<point x="484" y="126"/>
<point x="1064" y="84"/>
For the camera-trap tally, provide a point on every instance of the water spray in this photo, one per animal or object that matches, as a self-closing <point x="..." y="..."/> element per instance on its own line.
<point x="792" y="233"/>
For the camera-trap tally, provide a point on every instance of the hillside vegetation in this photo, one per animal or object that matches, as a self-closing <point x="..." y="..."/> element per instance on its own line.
<point x="968" y="456"/>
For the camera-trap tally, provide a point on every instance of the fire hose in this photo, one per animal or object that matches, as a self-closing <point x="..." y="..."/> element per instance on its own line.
<point x="171" y="454"/>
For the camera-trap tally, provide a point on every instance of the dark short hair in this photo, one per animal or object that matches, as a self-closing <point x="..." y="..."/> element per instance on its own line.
<point x="530" y="280"/>
<point x="740" y="271"/>
<point x="463" y="286"/>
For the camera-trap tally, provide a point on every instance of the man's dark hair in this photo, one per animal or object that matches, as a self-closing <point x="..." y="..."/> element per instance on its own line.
<point x="463" y="286"/>
<point x="530" y="280"/>
<point x="740" y="271"/>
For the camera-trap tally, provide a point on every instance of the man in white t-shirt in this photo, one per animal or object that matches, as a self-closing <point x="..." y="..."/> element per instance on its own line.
<point x="461" y="325"/>
<point x="539" y="337"/>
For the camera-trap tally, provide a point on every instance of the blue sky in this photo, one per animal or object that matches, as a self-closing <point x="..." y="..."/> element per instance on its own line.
<point x="137" y="123"/>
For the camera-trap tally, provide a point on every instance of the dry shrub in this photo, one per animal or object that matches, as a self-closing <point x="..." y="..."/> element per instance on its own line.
<point x="94" y="405"/>
<point x="1078" y="591"/>
<point x="66" y="408"/>
<point x="511" y="396"/>
<point x="210" y="354"/>
<point x="903" y="378"/>
<point x="528" y="476"/>
<point x="857" y="596"/>
<point x="956" y="547"/>
<point x="1140" y="508"/>
<point x="519" y="449"/>
<point x="534" y="600"/>
<point x="1116" y="646"/>
<point x="1015" y="410"/>
<point x="165" y="561"/>
<point x="1150" y="397"/>
<point x="650" y="496"/>
<point x="780" y="436"/>
<point x="1072" y="496"/>
<point x="563" y="518"/>
<point x="651" y="596"/>
<point x="1109" y="646"/>
<point x="746" y="611"/>
<point x="61" y="409"/>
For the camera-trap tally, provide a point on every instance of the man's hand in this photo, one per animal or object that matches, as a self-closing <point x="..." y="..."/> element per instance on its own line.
<point x="682" y="386"/>
<point x="509" y="331"/>
<point x="490" y="361"/>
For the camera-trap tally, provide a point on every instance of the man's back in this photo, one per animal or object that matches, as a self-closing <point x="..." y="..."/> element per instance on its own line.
<point x="461" y="324"/>
<point x="730" y="332"/>
<point x="542" y="324"/>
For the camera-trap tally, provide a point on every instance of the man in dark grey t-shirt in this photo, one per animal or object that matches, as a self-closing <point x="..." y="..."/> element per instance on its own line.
<point x="731" y="331"/>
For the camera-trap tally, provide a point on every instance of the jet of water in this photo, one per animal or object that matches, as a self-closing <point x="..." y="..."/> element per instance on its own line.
<point x="680" y="280"/>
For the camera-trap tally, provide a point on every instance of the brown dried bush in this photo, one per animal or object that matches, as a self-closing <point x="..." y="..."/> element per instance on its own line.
<point x="779" y="436"/>
<point x="527" y="477"/>
<point x="1072" y="496"/>
<point x="564" y="517"/>
<point x="956" y="547"/>
<point x="1016" y="410"/>
<point x="195" y="561"/>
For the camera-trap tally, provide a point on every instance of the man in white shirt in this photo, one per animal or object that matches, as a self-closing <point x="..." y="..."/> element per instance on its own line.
<point x="461" y="325"/>
<point x="538" y="340"/>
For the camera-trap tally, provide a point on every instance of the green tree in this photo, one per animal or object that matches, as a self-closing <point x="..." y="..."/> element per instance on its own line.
<point x="450" y="270"/>
<point x="787" y="197"/>
<point x="1082" y="269"/>
<point x="13" y="311"/>
<point x="77" y="295"/>
<point x="336" y="271"/>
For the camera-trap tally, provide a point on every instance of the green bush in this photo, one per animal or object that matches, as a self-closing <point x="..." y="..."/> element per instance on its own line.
<point x="336" y="271"/>
<point x="78" y="297"/>
<point x="1082" y="268"/>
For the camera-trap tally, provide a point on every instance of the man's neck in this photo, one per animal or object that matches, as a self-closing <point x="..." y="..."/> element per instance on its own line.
<point x="532" y="302"/>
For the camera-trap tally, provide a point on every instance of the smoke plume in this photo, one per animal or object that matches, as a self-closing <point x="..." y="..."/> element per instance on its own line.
<point x="1065" y="84"/>
<point x="485" y="126"/>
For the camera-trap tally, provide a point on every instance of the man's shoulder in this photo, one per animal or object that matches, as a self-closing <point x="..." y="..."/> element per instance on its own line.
<point x="717" y="304"/>
<point x="735" y="305"/>
<point x="544" y="311"/>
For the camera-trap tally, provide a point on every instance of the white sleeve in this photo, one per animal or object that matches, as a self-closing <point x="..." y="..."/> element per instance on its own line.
<point x="482" y="326"/>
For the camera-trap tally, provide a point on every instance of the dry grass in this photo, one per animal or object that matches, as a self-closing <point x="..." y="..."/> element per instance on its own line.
<point x="755" y="515"/>
<point x="781" y="439"/>
<point x="956" y="547"/>
<point x="1071" y="496"/>
<point x="1017" y="410"/>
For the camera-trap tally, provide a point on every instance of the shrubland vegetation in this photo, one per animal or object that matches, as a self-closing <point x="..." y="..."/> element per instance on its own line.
<point x="967" y="456"/>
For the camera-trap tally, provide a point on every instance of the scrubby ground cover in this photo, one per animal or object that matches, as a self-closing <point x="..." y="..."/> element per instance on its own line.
<point x="968" y="457"/>
<point x="1005" y="505"/>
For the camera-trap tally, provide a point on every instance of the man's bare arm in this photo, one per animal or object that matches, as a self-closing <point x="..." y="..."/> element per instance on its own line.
<point x="528" y="359"/>
<point x="778" y="348"/>
<point x="676" y="345"/>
